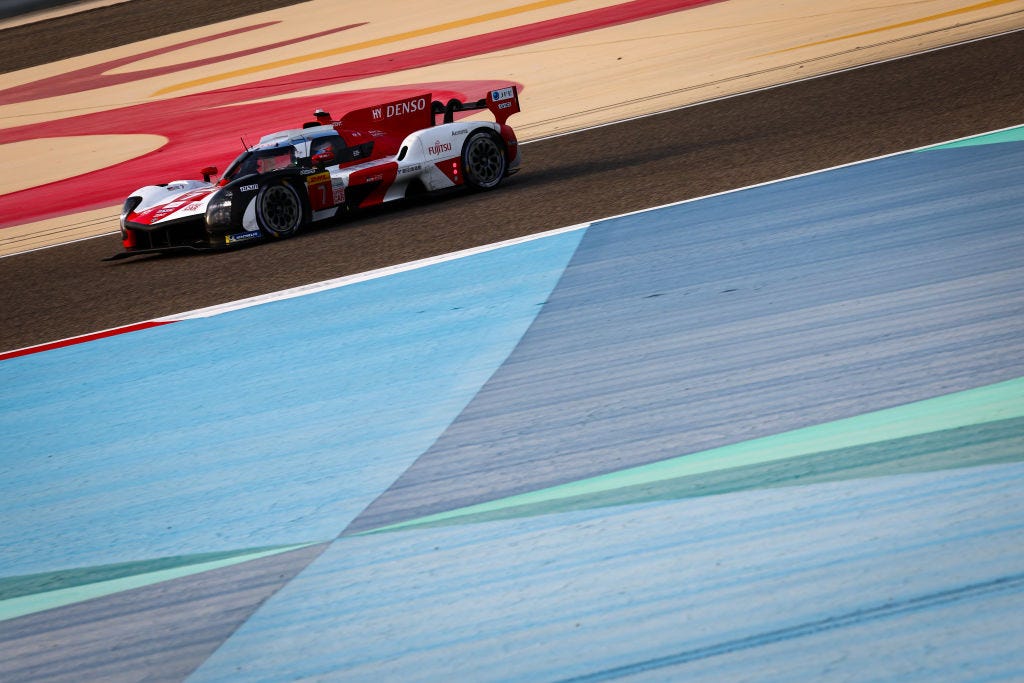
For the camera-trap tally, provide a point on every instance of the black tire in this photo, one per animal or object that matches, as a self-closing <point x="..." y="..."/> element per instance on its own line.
<point x="484" y="162"/>
<point x="279" y="209"/>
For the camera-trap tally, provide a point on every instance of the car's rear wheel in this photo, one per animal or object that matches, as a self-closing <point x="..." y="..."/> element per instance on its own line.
<point x="279" y="209"/>
<point x="483" y="160"/>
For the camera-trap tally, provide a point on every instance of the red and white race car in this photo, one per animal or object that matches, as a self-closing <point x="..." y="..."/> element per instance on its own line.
<point x="296" y="177"/>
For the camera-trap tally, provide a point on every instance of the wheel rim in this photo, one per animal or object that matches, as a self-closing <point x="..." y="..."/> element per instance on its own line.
<point x="281" y="210"/>
<point x="485" y="160"/>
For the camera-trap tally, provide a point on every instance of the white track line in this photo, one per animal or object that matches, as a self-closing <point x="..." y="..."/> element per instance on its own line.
<point x="295" y="292"/>
<point x="346" y="280"/>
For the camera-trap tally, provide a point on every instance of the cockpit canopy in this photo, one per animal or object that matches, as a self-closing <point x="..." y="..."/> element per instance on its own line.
<point x="284" y="151"/>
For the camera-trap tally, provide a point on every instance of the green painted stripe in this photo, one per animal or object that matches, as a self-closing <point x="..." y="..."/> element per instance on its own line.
<point x="993" y="403"/>
<point x="990" y="443"/>
<point x="17" y="586"/>
<point x="30" y="604"/>
<point x="1010" y="135"/>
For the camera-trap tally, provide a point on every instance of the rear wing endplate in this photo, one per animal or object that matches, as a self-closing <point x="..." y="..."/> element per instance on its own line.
<point x="502" y="104"/>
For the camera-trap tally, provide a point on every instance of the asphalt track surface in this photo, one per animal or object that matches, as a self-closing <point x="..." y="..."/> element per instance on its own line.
<point x="99" y="28"/>
<point x="69" y="290"/>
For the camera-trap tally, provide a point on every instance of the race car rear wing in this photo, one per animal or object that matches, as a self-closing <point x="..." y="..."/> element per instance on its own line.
<point x="502" y="103"/>
<point x="405" y="116"/>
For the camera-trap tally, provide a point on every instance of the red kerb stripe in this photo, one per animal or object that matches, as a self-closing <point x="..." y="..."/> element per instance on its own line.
<point x="82" y="339"/>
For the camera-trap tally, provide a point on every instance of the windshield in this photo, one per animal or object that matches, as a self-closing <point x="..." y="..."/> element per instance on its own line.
<point x="262" y="161"/>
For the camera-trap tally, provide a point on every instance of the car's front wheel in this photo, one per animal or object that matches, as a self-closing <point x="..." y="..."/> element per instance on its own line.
<point x="279" y="210"/>
<point x="483" y="160"/>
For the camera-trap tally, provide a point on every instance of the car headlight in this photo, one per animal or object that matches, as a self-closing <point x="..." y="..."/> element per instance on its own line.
<point x="218" y="211"/>
<point x="130" y="205"/>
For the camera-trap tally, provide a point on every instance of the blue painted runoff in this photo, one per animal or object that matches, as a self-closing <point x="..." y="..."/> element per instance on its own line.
<point x="268" y="425"/>
<point x="853" y="580"/>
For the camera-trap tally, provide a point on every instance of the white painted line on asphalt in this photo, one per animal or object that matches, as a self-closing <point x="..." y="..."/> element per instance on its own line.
<point x="346" y="280"/>
<point x="422" y="263"/>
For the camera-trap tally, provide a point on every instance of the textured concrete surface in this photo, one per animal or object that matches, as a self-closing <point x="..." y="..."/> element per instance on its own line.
<point x="748" y="314"/>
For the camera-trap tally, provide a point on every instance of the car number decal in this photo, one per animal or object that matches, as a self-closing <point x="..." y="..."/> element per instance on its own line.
<point x="321" y="193"/>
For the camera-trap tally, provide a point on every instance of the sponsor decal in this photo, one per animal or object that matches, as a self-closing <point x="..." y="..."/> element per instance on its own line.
<point x="409" y="107"/>
<point x="439" y="148"/>
<point x="194" y="206"/>
<point x="461" y="131"/>
<point x="339" y="195"/>
<point x="249" y="188"/>
<point x="410" y="169"/>
<point x="505" y="105"/>
<point x="503" y="94"/>
<point x="320" y="194"/>
<point x="318" y="178"/>
<point x="389" y="111"/>
<point x="190" y="200"/>
<point x="241" y="237"/>
<point x="375" y="178"/>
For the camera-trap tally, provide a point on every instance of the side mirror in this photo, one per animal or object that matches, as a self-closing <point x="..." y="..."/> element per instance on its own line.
<point x="323" y="158"/>
<point x="208" y="173"/>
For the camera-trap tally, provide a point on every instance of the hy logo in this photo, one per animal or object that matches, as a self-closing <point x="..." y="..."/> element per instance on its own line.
<point x="377" y="113"/>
